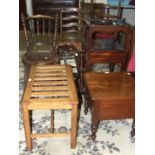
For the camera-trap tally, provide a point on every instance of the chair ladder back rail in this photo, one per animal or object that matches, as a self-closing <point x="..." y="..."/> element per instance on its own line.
<point x="70" y="22"/>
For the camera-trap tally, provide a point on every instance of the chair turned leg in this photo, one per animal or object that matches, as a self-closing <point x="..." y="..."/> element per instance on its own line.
<point x="27" y="128"/>
<point x="94" y="129"/>
<point x="74" y="126"/>
<point x="133" y="129"/>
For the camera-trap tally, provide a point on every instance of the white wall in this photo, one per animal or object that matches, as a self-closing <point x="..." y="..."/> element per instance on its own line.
<point x="29" y="10"/>
<point x="129" y="14"/>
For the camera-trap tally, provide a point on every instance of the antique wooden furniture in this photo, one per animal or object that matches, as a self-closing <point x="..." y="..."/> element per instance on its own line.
<point x="40" y="37"/>
<point x="109" y="96"/>
<point x="51" y="7"/>
<point x="107" y="50"/>
<point x="50" y="87"/>
<point x="71" y="31"/>
<point x="106" y="11"/>
<point x="71" y="26"/>
<point x="69" y="54"/>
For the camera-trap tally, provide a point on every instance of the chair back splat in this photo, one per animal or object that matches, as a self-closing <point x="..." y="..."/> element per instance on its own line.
<point x="70" y="24"/>
<point x="40" y="33"/>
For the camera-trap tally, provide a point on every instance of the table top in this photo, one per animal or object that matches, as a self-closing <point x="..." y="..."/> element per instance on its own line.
<point x="107" y="86"/>
<point x="50" y="86"/>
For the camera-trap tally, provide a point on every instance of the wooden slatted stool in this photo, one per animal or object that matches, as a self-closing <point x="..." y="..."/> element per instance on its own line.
<point x="50" y="87"/>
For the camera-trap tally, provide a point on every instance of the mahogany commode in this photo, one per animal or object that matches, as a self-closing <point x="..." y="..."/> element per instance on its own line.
<point x="109" y="96"/>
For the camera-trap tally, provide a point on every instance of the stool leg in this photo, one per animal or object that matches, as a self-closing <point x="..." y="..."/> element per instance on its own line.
<point x="26" y="120"/>
<point x="74" y="126"/>
<point x="52" y="122"/>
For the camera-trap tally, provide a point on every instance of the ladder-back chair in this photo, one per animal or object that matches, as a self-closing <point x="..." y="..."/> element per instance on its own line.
<point x="71" y="26"/>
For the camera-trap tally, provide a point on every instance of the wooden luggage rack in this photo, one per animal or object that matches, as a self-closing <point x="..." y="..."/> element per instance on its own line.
<point x="50" y="87"/>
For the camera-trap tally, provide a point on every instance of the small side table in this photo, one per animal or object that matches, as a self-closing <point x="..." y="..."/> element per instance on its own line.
<point x="50" y="87"/>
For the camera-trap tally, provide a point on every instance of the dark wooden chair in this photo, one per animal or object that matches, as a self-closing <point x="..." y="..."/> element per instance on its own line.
<point x="106" y="11"/>
<point x="68" y="54"/>
<point x="40" y="37"/>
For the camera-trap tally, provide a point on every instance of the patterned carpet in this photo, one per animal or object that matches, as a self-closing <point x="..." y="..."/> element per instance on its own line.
<point x="113" y="137"/>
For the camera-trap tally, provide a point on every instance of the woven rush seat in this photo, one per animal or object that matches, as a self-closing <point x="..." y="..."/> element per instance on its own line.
<point x="50" y="87"/>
